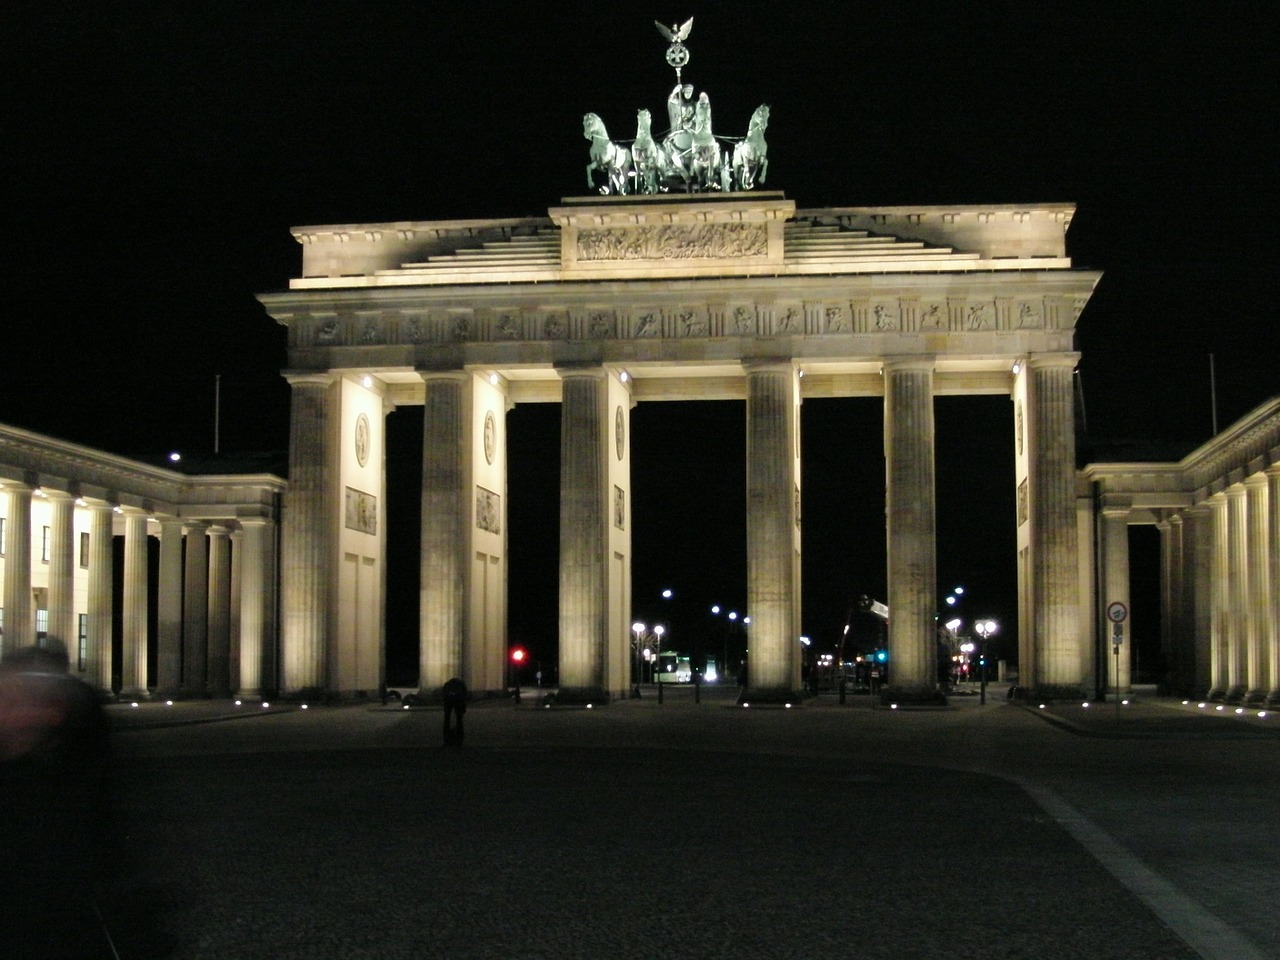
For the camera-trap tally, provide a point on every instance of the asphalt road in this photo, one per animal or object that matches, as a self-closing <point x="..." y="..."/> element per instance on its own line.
<point x="683" y="830"/>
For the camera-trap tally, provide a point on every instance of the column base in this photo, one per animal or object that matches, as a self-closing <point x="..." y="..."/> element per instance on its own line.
<point x="1216" y="695"/>
<point x="581" y="696"/>
<point x="913" y="694"/>
<point x="1273" y="698"/>
<point x="135" y="693"/>
<point x="1255" y="696"/>
<point x="1236" y="694"/>
<point x="772" y="696"/>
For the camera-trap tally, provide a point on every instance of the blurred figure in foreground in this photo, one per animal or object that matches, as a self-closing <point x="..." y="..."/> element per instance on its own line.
<point x="54" y="808"/>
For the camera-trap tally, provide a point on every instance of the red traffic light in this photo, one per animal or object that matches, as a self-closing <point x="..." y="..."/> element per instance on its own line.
<point x="518" y="655"/>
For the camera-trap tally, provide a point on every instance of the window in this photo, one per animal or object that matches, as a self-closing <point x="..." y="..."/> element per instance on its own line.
<point x="82" y="656"/>
<point x="44" y="544"/>
<point x="42" y="626"/>
<point x="84" y="551"/>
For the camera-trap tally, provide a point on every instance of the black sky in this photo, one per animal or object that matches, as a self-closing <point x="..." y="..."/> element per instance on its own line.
<point x="156" y="154"/>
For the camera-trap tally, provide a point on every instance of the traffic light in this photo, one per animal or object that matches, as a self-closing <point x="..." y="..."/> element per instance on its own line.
<point x="519" y="655"/>
<point x="882" y="656"/>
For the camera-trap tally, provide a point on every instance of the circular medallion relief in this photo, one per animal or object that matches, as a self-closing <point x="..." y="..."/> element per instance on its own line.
<point x="490" y="436"/>
<point x="362" y="439"/>
<point x="619" y="434"/>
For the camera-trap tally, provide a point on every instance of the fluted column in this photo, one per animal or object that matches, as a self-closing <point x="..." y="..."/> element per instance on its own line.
<point x="101" y="592"/>
<point x="62" y="612"/>
<point x="1273" y="578"/>
<point x="19" y="618"/>
<point x="773" y="536"/>
<point x="1197" y="596"/>
<point x="195" y="613"/>
<point x="1115" y="587"/>
<point x="306" y="562"/>
<point x="233" y="626"/>
<point x="1236" y="612"/>
<point x="445" y="505"/>
<point x="583" y="576"/>
<point x="133" y="639"/>
<point x="911" y="526"/>
<point x="1057" y="630"/>
<point x="1260" y="626"/>
<point x="1175" y="607"/>
<point x="1219" y="641"/>
<point x="169" y="609"/>
<point x="254" y="571"/>
<point x="218" y="683"/>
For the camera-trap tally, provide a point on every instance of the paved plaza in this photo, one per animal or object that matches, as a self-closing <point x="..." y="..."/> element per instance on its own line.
<point x="678" y="829"/>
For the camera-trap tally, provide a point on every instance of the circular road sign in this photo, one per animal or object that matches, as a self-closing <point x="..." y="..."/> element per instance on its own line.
<point x="1117" y="611"/>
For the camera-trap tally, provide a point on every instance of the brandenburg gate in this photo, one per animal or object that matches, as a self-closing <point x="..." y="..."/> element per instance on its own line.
<point x="609" y="301"/>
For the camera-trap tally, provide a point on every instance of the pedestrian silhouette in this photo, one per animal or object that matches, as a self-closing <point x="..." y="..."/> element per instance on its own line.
<point x="454" y="696"/>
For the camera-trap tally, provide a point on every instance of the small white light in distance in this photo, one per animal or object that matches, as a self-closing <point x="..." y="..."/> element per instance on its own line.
<point x="623" y="376"/>
<point x="134" y="704"/>
<point x="237" y="703"/>
<point x="893" y="706"/>
<point x="493" y="379"/>
<point x="1186" y="702"/>
<point x="1218" y="707"/>
<point x="788" y="706"/>
<point x="1085" y="704"/>
<point x="304" y="706"/>
<point x="1042" y="706"/>
<point x="405" y="707"/>
<point x="1262" y="713"/>
<point x="175" y="456"/>
<point x="366" y="381"/>
<point x="1239" y="709"/>
<point x="265" y="705"/>
<point x="1125" y="702"/>
<point x="745" y="705"/>
<point x="1201" y="705"/>
<point x="589" y="706"/>
<point x="168" y="703"/>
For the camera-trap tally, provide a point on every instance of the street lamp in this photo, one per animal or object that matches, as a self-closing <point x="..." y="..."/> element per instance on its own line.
<point x="638" y="629"/>
<point x="984" y="629"/>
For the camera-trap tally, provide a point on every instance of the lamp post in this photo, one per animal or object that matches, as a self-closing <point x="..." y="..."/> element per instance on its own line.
<point x="984" y="629"/>
<point x="638" y="629"/>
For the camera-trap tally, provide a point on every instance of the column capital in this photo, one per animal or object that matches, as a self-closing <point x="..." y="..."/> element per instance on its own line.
<point x="768" y="365"/>
<point x="299" y="378"/>
<point x="1234" y="492"/>
<point x="1255" y="481"/>
<point x="1116" y="511"/>
<point x="587" y="369"/>
<point x="895" y="364"/>
<point x="1044" y="361"/>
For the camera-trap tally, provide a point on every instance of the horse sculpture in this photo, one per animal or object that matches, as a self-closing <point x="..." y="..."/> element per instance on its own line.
<point x="612" y="160"/>
<point x="646" y="155"/>
<point x="704" y="157"/>
<point x="751" y="156"/>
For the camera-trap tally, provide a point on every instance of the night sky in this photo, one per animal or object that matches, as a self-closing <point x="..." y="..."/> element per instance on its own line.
<point x="155" y="156"/>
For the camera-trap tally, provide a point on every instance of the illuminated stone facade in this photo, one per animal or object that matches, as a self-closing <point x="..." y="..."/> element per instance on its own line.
<point x="212" y="602"/>
<point x="608" y="302"/>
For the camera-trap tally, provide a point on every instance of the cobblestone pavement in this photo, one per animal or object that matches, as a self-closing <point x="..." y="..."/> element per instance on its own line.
<point x="697" y="830"/>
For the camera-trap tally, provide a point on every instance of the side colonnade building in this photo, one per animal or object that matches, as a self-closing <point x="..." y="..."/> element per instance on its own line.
<point x="612" y="301"/>
<point x="196" y="617"/>
<point x="1218" y="515"/>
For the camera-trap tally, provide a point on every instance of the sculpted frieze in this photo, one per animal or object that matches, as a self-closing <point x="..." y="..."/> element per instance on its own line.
<point x="709" y="241"/>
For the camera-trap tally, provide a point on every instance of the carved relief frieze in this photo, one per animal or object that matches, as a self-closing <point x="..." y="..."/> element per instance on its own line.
<point x="1030" y="316"/>
<point x="601" y="324"/>
<point x="646" y="322"/>
<point x="932" y="317"/>
<point x="886" y="317"/>
<point x="788" y="319"/>
<point x="743" y="321"/>
<point x="978" y="316"/>
<point x="361" y="511"/>
<point x="835" y="319"/>
<point x="708" y="241"/>
<point x="413" y="327"/>
<point x="463" y="326"/>
<point x="370" y="328"/>
<point x="327" y="329"/>
<point x="508" y="326"/>
<point x="690" y="322"/>
<point x="553" y="327"/>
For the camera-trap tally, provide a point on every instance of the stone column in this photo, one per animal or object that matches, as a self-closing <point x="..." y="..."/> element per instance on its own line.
<point x="233" y="629"/>
<point x="1273" y="578"/>
<point x="195" y="613"/>
<point x="62" y="611"/>
<point x="583" y="576"/>
<point x="445" y="511"/>
<point x="773" y="535"/>
<point x="307" y="559"/>
<point x="1197" y="579"/>
<point x="1175" y="607"/>
<point x="218" y="683"/>
<point x="1055" y="584"/>
<point x="133" y="640"/>
<point x="254" y="614"/>
<point x="19" y="615"/>
<point x="1237" y="600"/>
<point x="101" y="593"/>
<point x="169" y="609"/>
<point x="1219" y="680"/>
<point x="911" y="528"/>
<point x="1260" y="626"/>
<point x="1115" y="586"/>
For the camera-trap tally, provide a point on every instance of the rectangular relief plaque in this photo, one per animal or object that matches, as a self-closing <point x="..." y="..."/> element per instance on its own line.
<point x="361" y="511"/>
<point x="488" y="510"/>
